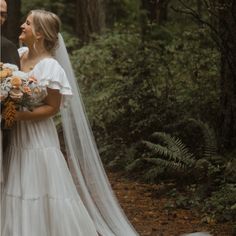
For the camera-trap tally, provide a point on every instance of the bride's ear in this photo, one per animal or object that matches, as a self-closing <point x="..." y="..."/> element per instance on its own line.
<point x="38" y="36"/>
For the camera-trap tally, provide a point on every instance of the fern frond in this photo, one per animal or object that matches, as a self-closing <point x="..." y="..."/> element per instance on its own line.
<point x="175" y="149"/>
<point x="210" y="147"/>
<point x="157" y="148"/>
<point x="166" y="164"/>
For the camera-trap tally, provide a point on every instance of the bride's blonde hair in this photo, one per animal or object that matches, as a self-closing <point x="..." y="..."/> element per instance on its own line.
<point x="49" y="25"/>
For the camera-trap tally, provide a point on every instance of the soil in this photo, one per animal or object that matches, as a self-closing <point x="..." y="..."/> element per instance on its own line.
<point x="150" y="215"/>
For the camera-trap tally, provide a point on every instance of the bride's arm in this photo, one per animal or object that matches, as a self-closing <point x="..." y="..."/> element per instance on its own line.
<point x="50" y="108"/>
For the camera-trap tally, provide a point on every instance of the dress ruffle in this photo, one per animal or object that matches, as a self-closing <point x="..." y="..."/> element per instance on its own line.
<point x="45" y="216"/>
<point x="50" y="74"/>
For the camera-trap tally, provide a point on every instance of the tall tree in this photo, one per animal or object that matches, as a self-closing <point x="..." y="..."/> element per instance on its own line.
<point x="199" y="7"/>
<point x="222" y="22"/>
<point x="12" y="26"/>
<point x="227" y="32"/>
<point x="90" y="18"/>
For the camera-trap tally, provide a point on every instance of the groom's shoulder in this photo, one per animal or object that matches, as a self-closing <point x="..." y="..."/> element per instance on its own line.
<point x="8" y="52"/>
<point x="6" y="42"/>
<point x="7" y="47"/>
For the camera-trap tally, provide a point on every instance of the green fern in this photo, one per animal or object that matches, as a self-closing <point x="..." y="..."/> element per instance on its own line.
<point x="166" y="164"/>
<point x="171" y="157"/>
<point x="210" y="143"/>
<point x="174" y="149"/>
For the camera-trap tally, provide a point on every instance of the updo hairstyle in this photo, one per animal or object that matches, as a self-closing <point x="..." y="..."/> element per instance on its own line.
<point x="49" y="25"/>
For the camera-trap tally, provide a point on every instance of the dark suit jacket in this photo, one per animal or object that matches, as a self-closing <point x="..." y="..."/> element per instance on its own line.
<point x="9" y="53"/>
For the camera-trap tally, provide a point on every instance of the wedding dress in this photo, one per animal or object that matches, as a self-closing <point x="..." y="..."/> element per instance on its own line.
<point x="39" y="196"/>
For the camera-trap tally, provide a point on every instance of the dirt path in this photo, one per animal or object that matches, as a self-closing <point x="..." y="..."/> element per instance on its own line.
<point x="150" y="216"/>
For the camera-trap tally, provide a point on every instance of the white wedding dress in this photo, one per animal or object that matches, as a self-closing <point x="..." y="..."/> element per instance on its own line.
<point x="39" y="197"/>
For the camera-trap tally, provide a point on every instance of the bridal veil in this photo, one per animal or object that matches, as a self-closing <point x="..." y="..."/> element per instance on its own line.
<point x="85" y="163"/>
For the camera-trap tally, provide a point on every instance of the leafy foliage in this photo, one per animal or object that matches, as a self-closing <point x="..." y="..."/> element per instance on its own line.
<point x="134" y="87"/>
<point x="112" y="78"/>
<point x="222" y="203"/>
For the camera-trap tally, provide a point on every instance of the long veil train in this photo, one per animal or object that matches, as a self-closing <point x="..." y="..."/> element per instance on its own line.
<point x="85" y="163"/>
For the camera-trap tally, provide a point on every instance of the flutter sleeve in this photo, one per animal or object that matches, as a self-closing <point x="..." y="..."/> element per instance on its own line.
<point x="50" y="74"/>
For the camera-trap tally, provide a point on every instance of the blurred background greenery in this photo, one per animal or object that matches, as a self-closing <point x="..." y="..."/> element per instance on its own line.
<point x="158" y="79"/>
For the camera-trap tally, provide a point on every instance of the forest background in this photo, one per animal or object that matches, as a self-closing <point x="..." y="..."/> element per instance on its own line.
<point x="158" y="79"/>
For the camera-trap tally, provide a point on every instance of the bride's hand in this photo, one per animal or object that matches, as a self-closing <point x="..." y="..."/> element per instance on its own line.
<point x="51" y="106"/>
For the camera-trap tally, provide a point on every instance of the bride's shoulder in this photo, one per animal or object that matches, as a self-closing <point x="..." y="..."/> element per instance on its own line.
<point x="50" y="67"/>
<point x="50" y="64"/>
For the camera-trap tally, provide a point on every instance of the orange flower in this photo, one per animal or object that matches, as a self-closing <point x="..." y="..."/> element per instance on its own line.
<point x="6" y="72"/>
<point x="9" y="72"/>
<point x="16" y="81"/>
<point x="3" y="74"/>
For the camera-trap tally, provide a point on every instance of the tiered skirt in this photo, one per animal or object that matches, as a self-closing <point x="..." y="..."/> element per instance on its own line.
<point x="39" y="197"/>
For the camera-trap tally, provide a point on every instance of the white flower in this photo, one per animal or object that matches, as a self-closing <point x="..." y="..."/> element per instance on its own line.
<point x="11" y="66"/>
<point x="20" y="74"/>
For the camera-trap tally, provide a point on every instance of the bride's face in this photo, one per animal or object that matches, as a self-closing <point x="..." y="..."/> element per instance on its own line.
<point x="27" y="35"/>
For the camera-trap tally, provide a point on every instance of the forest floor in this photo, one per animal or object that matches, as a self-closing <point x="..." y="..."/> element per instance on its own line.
<point x="150" y="215"/>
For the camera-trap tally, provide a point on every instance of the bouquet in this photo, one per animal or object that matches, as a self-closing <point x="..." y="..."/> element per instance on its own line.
<point x="18" y="91"/>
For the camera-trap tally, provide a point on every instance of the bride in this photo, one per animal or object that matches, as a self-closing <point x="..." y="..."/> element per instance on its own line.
<point x="41" y="196"/>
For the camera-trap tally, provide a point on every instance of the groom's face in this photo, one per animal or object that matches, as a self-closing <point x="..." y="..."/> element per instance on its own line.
<point x="3" y="11"/>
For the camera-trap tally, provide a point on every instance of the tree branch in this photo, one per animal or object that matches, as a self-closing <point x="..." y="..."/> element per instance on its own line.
<point x="217" y="38"/>
<point x="198" y="18"/>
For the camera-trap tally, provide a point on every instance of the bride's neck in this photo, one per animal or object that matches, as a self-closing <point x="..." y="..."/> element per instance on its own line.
<point x="37" y="52"/>
<point x="32" y="57"/>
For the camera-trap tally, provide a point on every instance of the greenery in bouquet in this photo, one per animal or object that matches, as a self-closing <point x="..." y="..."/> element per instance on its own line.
<point x="18" y="91"/>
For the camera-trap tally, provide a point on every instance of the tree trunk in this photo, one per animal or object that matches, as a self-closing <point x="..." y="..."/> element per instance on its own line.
<point x="90" y="18"/>
<point x="162" y="11"/>
<point x="157" y="10"/>
<point x="199" y="7"/>
<point x="12" y="26"/>
<point x="227" y="31"/>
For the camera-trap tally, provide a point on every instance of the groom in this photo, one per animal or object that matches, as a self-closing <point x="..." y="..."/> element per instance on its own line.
<point x="8" y="51"/>
<point x="8" y="54"/>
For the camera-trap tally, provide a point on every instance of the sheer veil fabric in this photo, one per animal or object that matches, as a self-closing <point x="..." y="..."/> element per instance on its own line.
<point x="85" y="163"/>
